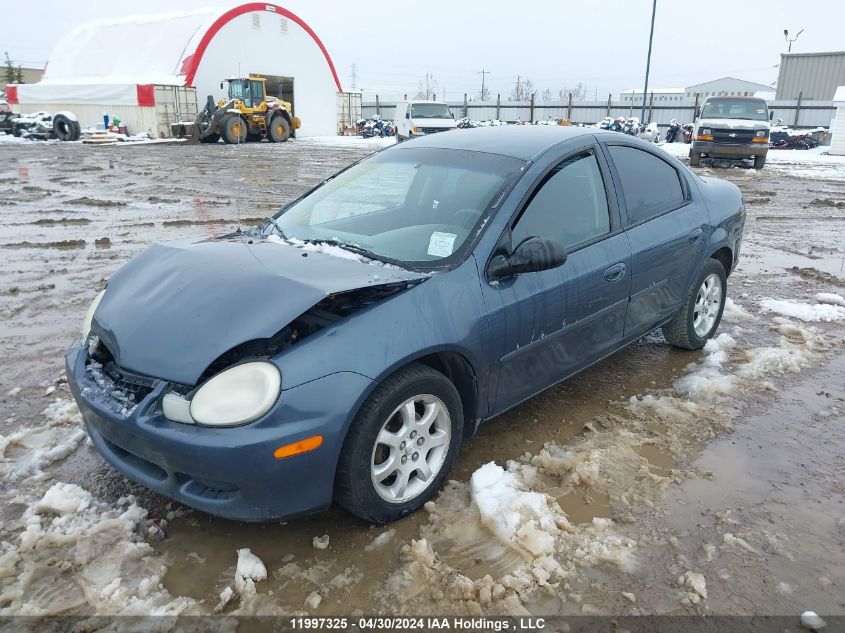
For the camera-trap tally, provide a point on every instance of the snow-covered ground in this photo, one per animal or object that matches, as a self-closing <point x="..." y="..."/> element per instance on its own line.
<point x="814" y="163"/>
<point x="559" y="506"/>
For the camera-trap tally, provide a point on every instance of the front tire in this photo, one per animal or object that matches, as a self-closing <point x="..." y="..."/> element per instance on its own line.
<point x="759" y="162"/>
<point x="694" y="159"/>
<point x="698" y="320"/>
<point x="234" y="129"/>
<point x="401" y="446"/>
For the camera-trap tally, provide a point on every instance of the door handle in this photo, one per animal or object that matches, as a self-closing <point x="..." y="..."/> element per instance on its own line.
<point x="615" y="272"/>
<point x="695" y="235"/>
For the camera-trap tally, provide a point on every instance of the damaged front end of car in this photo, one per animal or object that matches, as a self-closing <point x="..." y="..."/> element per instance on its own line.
<point x="180" y="373"/>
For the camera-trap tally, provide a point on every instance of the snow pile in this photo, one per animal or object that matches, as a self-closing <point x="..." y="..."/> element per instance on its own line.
<point x="827" y="311"/>
<point x="830" y="298"/>
<point x="535" y="547"/>
<point x="694" y="586"/>
<point x="709" y="380"/>
<point x="518" y="517"/>
<point x="250" y="570"/>
<point x="27" y="450"/>
<point x="76" y="555"/>
<point x="381" y="540"/>
<point x="733" y="312"/>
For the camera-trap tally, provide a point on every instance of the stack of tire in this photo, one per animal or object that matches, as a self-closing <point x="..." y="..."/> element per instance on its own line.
<point x="66" y="126"/>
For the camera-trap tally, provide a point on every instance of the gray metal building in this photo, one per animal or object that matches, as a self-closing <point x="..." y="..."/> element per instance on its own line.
<point x="814" y="75"/>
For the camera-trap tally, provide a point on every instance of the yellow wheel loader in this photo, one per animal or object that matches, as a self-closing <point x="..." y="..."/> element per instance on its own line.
<point x="247" y="115"/>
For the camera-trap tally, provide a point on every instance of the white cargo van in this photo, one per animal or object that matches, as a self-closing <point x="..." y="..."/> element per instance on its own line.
<point x="418" y="118"/>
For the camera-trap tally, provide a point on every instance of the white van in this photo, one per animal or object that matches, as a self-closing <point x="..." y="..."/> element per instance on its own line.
<point x="418" y="118"/>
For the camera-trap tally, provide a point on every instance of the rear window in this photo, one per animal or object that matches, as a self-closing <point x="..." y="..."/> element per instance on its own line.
<point x="651" y="186"/>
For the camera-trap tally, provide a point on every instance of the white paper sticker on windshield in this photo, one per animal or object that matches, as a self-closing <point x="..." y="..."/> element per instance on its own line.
<point x="441" y="244"/>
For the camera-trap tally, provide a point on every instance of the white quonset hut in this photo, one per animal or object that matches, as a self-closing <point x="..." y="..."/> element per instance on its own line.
<point x="153" y="70"/>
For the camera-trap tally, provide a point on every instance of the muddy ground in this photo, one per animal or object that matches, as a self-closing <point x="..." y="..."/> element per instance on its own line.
<point x="669" y="482"/>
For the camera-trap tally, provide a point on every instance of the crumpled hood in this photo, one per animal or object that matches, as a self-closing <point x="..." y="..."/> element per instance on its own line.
<point x="734" y="124"/>
<point x="178" y="306"/>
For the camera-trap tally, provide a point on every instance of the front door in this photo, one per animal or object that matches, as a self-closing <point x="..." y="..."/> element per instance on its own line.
<point x="547" y="325"/>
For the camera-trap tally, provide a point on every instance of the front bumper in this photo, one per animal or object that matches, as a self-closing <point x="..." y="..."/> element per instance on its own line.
<point x="227" y="472"/>
<point x="726" y="150"/>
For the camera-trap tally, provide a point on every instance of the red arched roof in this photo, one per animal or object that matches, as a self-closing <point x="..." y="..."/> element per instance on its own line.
<point x="191" y="63"/>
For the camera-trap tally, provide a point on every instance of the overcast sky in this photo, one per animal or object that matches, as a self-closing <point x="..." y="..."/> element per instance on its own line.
<point x="601" y="44"/>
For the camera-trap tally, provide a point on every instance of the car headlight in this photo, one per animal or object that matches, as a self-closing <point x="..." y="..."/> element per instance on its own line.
<point x="705" y="131"/>
<point x="238" y="395"/>
<point x="761" y="133"/>
<point x="89" y="316"/>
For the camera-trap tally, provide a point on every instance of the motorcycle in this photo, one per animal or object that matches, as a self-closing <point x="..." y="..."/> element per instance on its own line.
<point x="631" y="126"/>
<point x="687" y="128"/>
<point x="605" y="123"/>
<point x="672" y="132"/>
<point x="617" y="125"/>
<point x="649" y="132"/>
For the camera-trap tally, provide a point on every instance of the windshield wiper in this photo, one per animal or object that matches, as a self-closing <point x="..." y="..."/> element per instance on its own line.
<point x="360" y="250"/>
<point x="272" y="221"/>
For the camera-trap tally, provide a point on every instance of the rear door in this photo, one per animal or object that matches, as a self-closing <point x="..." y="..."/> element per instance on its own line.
<point x="667" y="231"/>
<point x="547" y="325"/>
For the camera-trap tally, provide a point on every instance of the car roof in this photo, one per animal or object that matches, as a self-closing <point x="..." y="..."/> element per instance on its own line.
<point x="524" y="142"/>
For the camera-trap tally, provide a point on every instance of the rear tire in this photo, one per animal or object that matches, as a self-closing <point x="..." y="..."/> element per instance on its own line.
<point x="386" y="440"/>
<point x="279" y="130"/>
<point x="694" y="159"/>
<point x="759" y="162"/>
<point x="695" y="324"/>
<point x="211" y="138"/>
<point x="234" y="129"/>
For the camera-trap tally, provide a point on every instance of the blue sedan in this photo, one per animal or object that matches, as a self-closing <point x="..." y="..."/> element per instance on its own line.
<point x="342" y="350"/>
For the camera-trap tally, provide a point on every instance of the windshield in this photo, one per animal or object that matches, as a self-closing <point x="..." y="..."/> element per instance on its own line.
<point x="407" y="206"/>
<point x="430" y="111"/>
<point x="735" y="109"/>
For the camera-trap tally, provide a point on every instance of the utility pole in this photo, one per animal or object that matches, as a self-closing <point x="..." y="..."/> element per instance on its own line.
<point x="483" y="74"/>
<point x="354" y="77"/>
<point x="648" y="59"/>
<point x="786" y="37"/>
<point x="518" y="94"/>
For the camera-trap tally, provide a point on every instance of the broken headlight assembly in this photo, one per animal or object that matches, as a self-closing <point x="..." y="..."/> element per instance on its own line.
<point x="89" y="316"/>
<point x="235" y="396"/>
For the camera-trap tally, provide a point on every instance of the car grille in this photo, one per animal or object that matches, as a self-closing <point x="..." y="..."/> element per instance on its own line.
<point x="434" y="130"/>
<point x="139" y="387"/>
<point x="733" y="136"/>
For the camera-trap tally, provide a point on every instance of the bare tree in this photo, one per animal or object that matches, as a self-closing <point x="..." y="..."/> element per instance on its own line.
<point x="579" y="92"/>
<point x="428" y="86"/>
<point x="522" y="90"/>
<point x="546" y="95"/>
<point x="484" y="94"/>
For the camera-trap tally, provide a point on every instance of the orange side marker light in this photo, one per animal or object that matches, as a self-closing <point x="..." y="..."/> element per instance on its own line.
<point x="302" y="446"/>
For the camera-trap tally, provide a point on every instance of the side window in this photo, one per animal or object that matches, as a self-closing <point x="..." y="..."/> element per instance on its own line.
<point x="570" y="206"/>
<point x="650" y="185"/>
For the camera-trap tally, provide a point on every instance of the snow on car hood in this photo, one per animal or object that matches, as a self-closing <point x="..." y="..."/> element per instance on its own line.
<point x="178" y="306"/>
<point x="734" y="124"/>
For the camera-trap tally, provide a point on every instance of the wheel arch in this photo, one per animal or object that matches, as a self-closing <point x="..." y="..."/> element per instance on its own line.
<point x="453" y="364"/>
<point x="724" y="255"/>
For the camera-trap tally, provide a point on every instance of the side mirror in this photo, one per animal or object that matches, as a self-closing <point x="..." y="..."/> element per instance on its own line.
<point x="698" y="112"/>
<point x="533" y="255"/>
<point x="407" y="114"/>
<point x="771" y="115"/>
<point x="221" y="85"/>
